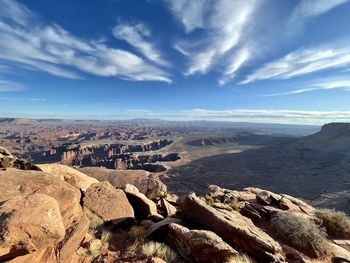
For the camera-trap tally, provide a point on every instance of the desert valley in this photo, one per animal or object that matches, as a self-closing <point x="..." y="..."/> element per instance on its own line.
<point x="118" y="186"/>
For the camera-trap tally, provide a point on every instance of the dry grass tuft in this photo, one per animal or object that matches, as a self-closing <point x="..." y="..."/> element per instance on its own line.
<point x="240" y="259"/>
<point x="160" y="250"/>
<point x="300" y="232"/>
<point x="336" y="223"/>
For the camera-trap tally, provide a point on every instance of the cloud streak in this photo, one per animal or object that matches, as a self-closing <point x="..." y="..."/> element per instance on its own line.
<point x="302" y="62"/>
<point x="6" y="86"/>
<point x="27" y="42"/>
<point x="331" y="85"/>
<point x="270" y="116"/>
<point x="138" y="35"/>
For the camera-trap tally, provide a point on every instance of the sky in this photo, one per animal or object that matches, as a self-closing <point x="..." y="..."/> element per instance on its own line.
<point x="268" y="61"/>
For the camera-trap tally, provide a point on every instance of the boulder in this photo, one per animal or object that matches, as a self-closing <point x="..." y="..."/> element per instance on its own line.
<point x="108" y="203"/>
<point x="303" y="206"/>
<point x="29" y="224"/>
<point x="143" y="206"/>
<point x="204" y="246"/>
<point x="69" y="175"/>
<point x="286" y="204"/>
<point x="152" y="188"/>
<point x="168" y="208"/>
<point x="232" y="227"/>
<point x="15" y="182"/>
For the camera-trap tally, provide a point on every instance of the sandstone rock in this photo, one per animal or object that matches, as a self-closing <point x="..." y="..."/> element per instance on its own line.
<point x="204" y="246"/>
<point x="286" y="204"/>
<point x="47" y="255"/>
<point x="15" y="182"/>
<point x="264" y="198"/>
<point x="29" y="224"/>
<point x="70" y="175"/>
<point x="108" y="203"/>
<point x="250" y="212"/>
<point x="233" y="228"/>
<point x="6" y="158"/>
<point x="168" y="208"/>
<point x="143" y="206"/>
<point x="303" y="206"/>
<point x="152" y="188"/>
<point x="159" y="230"/>
<point x="72" y="239"/>
<point x="222" y="206"/>
<point x="172" y="198"/>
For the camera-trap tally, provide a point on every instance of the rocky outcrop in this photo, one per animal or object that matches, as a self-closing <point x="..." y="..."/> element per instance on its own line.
<point x="143" y="206"/>
<point x="7" y="160"/>
<point x="203" y="246"/>
<point x="108" y="203"/>
<point x="152" y="188"/>
<point x="29" y="224"/>
<point x="69" y="175"/>
<point x="15" y="182"/>
<point x="233" y="228"/>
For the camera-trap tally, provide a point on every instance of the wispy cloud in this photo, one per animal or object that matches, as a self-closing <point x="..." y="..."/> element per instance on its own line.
<point x="10" y="86"/>
<point x="330" y="85"/>
<point x="138" y="35"/>
<point x="223" y="23"/>
<point x="270" y="116"/>
<point x="303" y="61"/>
<point x="23" y="99"/>
<point x="310" y="8"/>
<point x="26" y="41"/>
<point x="139" y="112"/>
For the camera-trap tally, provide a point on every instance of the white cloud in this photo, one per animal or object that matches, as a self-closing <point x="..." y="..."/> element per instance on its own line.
<point x="10" y="86"/>
<point x="138" y="35"/>
<point x="270" y="116"/>
<point x="23" y="99"/>
<point x="234" y="63"/>
<point x="26" y="42"/>
<point x="330" y="85"/>
<point x="223" y="23"/>
<point x="309" y="8"/>
<point x="139" y="112"/>
<point x="301" y="62"/>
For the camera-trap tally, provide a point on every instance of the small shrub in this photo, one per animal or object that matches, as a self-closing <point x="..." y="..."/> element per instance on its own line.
<point x="234" y="205"/>
<point x="240" y="259"/>
<point x="160" y="250"/>
<point x="300" y="232"/>
<point x="209" y="200"/>
<point x="137" y="233"/>
<point x="336" y="223"/>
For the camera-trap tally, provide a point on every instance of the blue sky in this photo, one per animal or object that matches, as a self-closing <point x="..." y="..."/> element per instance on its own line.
<point x="234" y="60"/>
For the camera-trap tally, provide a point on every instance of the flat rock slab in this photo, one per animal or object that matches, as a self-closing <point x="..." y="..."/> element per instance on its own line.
<point x="204" y="246"/>
<point x="108" y="203"/>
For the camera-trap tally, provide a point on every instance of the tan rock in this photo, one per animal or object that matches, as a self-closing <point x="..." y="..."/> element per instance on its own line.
<point x="47" y="255"/>
<point x="29" y="224"/>
<point x="204" y="246"/>
<point x="233" y="228"/>
<point x="15" y="182"/>
<point x="72" y="240"/>
<point x="69" y="175"/>
<point x="6" y="158"/>
<point x="286" y="204"/>
<point x="143" y="206"/>
<point x="160" y="229"/>
<point x="168" y="208"/>
<point x="152" y="188"/>
<point x="303" y="206"/>
<point x="108" y="203"/>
